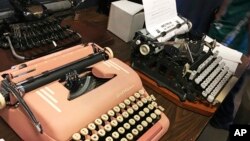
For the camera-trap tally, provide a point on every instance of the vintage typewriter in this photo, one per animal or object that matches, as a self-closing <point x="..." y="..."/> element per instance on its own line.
<point x="32" y="32"/>
<point x="181" y="66"/>
<point x="87" y="96"/>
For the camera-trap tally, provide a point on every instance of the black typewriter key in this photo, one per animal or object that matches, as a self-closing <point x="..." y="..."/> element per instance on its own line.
<point x="76" y="137"/>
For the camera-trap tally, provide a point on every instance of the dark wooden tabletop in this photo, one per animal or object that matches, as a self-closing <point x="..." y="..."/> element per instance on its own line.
<point x="184" y="125"/>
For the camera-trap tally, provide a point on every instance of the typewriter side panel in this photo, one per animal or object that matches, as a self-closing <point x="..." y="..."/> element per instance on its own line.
<point x="61" y="118"/>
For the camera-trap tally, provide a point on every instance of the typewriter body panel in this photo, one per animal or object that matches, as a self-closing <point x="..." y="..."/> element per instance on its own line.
<point x="59" y="117"/>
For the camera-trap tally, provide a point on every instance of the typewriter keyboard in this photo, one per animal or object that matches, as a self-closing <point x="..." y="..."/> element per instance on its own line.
<point x="124" y="122"/>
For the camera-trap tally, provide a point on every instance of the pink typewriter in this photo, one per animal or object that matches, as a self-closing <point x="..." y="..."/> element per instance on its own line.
<point x="82" y="94"/>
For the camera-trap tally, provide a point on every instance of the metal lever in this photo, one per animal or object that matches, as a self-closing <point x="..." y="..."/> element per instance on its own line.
<point x="11" y="88"/>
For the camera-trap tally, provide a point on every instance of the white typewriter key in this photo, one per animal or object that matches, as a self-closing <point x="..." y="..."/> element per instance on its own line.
<point x="150" y="106"/>
<point x="142" y="114"/>
<point x="115" y="135"/>
<point x="126" y="126"/>
<point x="153" y="115"/>
<point x="98" y="121"/>
<point x="111" y="113"/>
<point x="91" y="126"/>
<point x="154" y="104"/>
<point x="76" y="136"/>
<point x="149" y="119"/>
<point x="161" y="108"/>
<point x="135" y="107"/>
<point x="139" y="127"/>
<point x="107" y="127"/>
<point x="137" y="95"/>
<point x="153" y="97"/>
<point x="146" y="110"/>
<point x="119" y="119"/>
<point x="101" y="132"/>
<point x="130" y="111"/>
<point x="139" y="103"/>
<point x="121" y="130"/>
<point x="149" y="98"/>
<point x="144" y="123"/>
<point x="132" y="98"/>
<point x="131" y="121"/>
<point x="109" y="138"/>
<point x="123" y="139"/>
<point x="84" y="131"/>
<point x="157" y="112"/>
<point x="141" y="91"/>
<point x="122" y="105"/>
<point x="94" y="137"/>
<point x="116" y="109"/>
<point x="125" y="114"/>
<point x="127" y="102"/>
<point x="137" y="117"/>
<point x="105" y="117"/>
<point x="135" y="132"/>
<point x="144" y="100"/>
<point x="129" y="136"/>
<point x="114" y="123"/>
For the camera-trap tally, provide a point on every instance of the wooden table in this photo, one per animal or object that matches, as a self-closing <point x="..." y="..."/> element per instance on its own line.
<point x="184" y="125"/>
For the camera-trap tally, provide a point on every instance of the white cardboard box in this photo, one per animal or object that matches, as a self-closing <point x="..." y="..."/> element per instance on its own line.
<point x="125" y="18"/>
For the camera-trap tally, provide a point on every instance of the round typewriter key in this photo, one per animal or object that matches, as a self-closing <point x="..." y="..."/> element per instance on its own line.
<point x="142" y="91"/>
<point x="119" y="119"/>
<point x="130" y="111"/>
<point x="123" y="139"/>
<point x="116" y="109"/>
<point x="154" y="104"/>
<point x="127" y="102"/>
<point x="107" y="127"/>
<point x="149" y="98"/>
<point x="135" y="107"/>
<point x="115" y="135"/>
<point x="146" y="110"/>
<point x="137" y="95"/>
<point x="126" y="126"/>
<point x="125" y="114"/>
<point x="137" y="117"/>
<point x="94" y="137"/>
<point x="131" y="121"/>
<point x="150" y="106"/>
<point x="153" y="115"/>
<point x="105" y="117"/>
<point x="121" y="130"/>
<point x="91" y="126"/>
<point x="139" y="127"/>
<point x="157" y="112"/>
<point x="153" y="97"/>
<point x="149" y="119"/>
<point x="139" y="103"/>
<point x="135" y="132"/>
<point x="114" y="123"/>
<point x="142" y="114"/>
<point x="122" y="105"/>
<point x="84" y="131"/>
<point x="76" y="136"/>
<point x="144" y="123"/>
<point x="129" y="136"/>
<point x="101" y="132"/>
<point x="144" y="100"/>
<point x="87" y="140"/>
<point x="98" y="122"/>
<point x="109" y="138"/>
<point x="111" y="113"/>
<point x="132" y="98"/>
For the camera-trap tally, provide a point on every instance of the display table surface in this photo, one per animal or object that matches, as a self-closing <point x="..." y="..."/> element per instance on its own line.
<point x="184" y="124"/>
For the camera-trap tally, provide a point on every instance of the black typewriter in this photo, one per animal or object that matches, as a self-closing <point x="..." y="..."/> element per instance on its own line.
<point x="181" y="66"/>
<point x="34" y="33"/>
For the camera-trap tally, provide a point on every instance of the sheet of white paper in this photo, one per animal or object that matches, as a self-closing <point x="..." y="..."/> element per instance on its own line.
<point x="160" y="15"/>
<point x="226" y="52"/>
